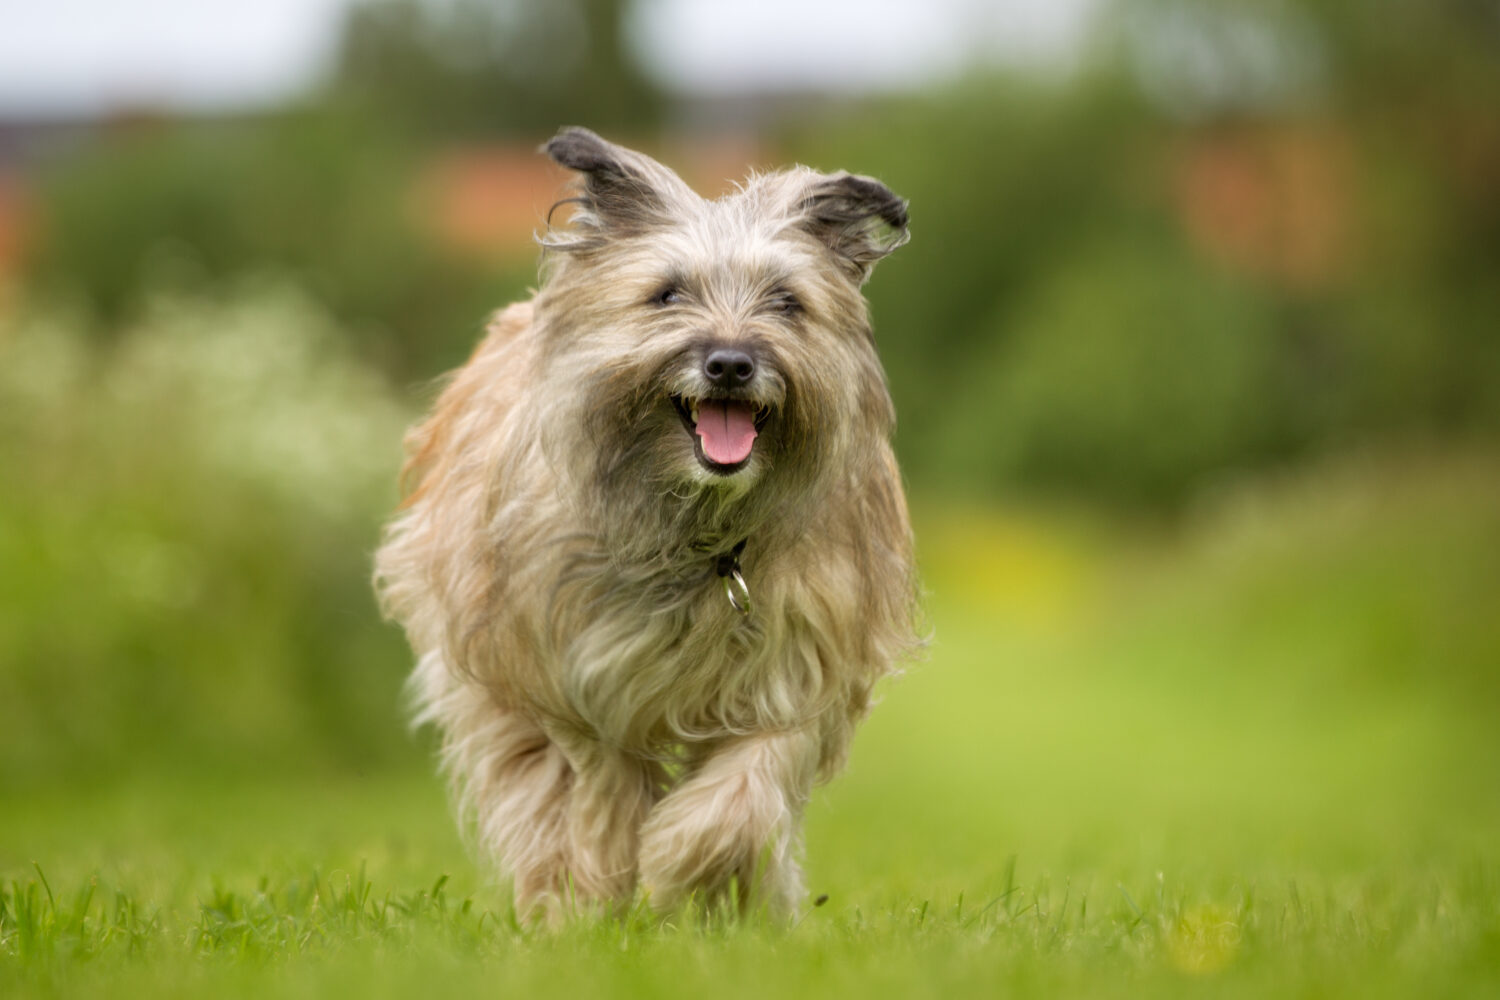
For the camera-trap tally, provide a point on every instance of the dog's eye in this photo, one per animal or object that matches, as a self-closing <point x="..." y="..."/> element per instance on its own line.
<point x="668" y="296"/>
<point x="785" y="303"/>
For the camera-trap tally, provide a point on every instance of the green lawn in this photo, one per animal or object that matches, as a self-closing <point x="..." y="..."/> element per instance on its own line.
<point x="1255" y="754"/>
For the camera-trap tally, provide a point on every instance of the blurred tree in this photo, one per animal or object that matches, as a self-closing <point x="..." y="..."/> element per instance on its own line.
<point x="471" y="68"/>
<point x="1232" y="240"/>
<point x="1320" y="179"/>
<point x="313" y="193"/>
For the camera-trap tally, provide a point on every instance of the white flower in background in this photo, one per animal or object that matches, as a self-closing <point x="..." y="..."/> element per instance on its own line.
<point x="262" y="386"/>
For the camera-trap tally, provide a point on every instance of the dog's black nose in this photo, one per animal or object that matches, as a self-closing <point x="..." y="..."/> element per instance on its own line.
<point x="728" y="368"/>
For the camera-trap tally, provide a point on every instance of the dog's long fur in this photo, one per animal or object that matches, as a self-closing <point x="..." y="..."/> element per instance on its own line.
<point x="607" y="717"/>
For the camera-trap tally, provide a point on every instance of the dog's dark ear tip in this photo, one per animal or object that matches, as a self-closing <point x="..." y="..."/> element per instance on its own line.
<point x="858" y="217"/>
<point x="578" y="148"/>
<point x="895" y="213"/>
<point x="878" y="199"/>
<point x="887" y="204"/>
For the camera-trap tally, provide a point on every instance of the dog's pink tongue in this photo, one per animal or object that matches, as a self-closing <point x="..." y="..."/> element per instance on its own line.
<point x="727" y="428"/>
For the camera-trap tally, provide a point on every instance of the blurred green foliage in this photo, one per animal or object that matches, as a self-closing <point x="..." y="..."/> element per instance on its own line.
<point x="204" y="379"/>
<point x="324" y="196"/>
<point x="477" y="68"/>
<point x="1080" y="310"/>
<point x="185" y="580"/>
<point x="1067" y="318"/>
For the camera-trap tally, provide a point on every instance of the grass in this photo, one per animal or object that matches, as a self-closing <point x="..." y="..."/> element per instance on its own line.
<point x="1364" y="938"/>
<point x="1254" y="756"/>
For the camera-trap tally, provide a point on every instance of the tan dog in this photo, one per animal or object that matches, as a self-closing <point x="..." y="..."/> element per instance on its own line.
<point x="655" y="551"/>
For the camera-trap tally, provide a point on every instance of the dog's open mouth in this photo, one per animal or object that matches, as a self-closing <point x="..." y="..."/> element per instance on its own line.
<point x="723" y="430"/>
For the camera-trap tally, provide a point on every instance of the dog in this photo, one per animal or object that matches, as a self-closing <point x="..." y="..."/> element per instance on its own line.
<point x="654" y="551"/>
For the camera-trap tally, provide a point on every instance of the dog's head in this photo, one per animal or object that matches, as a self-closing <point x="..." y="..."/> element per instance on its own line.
<point x="714" y="350"/>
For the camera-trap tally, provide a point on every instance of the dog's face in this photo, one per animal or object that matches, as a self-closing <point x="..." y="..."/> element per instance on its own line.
<point x="713" y="349"/>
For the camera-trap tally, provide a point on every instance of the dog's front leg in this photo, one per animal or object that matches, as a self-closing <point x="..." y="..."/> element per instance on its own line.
<point x="611" y="795"/>
<point x="734" y="820"/>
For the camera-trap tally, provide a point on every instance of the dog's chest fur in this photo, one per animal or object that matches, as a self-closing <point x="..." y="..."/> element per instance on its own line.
<point x="647" y="663"/>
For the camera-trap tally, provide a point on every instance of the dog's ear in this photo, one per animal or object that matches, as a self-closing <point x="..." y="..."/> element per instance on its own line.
<point x="858" y="218"/>
<point x="624" y="192"/>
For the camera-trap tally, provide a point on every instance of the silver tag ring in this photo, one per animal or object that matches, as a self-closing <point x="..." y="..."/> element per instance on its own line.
<point x="738" y="591"/>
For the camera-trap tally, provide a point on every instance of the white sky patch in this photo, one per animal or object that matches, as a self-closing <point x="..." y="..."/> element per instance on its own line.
<point x="81" y="57"/>
<point x="69" y="57"/>
<point x="729" y="46"/>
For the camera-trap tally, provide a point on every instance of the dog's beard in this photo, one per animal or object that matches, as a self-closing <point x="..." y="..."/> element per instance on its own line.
<point x="667" y="467"/>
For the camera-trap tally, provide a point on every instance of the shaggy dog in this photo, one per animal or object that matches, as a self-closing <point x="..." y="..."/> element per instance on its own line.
<point x="654" y="551"/>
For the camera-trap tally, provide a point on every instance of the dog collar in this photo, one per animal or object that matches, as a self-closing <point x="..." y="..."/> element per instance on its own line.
<point x="727" y="566"/>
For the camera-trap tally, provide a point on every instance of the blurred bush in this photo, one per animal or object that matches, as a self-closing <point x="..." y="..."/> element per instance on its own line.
<point x="322" y="195"/>
<point x="1130" y="375"/>
<point x="186" y="578"/>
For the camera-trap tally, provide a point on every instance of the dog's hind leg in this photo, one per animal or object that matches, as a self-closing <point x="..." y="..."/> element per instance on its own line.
<point x="736" y="819"/>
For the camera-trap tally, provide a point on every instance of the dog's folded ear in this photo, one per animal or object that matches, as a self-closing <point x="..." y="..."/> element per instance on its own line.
<point x="624" y="192"/>
<point x="860" y="219"/>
